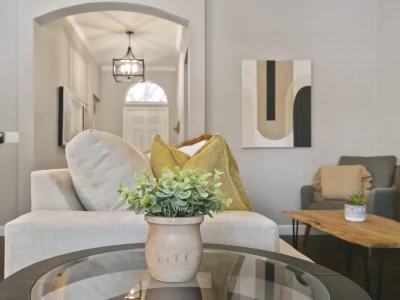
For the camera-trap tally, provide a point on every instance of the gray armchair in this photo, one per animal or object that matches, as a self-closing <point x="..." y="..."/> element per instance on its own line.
<point x="383" y="199"/>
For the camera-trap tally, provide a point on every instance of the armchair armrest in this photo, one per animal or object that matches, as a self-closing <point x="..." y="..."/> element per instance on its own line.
<point x="307" y="196"/>
<point x="384" y="202"/>
<point x="54" y="190"/>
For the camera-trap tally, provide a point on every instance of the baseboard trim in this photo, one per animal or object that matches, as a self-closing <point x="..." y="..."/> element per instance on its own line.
<point x="2" y="230"/>
<point x="288" y="230"/>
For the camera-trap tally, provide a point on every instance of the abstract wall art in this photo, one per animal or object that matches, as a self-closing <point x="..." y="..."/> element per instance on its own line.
<point x="276" y="103"/>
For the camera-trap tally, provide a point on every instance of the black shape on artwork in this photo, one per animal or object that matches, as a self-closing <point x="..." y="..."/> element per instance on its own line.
<point x="270" y="90"/>
<point x="302" y="118"/>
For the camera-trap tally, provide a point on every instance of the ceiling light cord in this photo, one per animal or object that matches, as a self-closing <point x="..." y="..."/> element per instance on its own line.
<point x="129" y="37"/>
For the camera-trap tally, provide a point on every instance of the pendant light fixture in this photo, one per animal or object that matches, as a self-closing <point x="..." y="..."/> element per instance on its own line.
<point x="129" y="68"/>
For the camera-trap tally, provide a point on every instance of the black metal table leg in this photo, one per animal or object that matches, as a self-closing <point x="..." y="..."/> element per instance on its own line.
<point x="349" y="257"/>
<point x="295" y="233"/>
<point x="380" y="275"/>
<point x="366" y="270"/>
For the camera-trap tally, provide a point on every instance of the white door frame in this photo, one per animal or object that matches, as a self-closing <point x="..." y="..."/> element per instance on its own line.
<point x="127" y="109"/>
<point x="189" y="13"/>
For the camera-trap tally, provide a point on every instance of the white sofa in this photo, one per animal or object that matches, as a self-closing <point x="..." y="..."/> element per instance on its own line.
<point x="58" y="224"/>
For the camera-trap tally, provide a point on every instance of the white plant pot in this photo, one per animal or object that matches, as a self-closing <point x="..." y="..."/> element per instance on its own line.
<point x="355" y="213"/>
<point x="174" y="248"/>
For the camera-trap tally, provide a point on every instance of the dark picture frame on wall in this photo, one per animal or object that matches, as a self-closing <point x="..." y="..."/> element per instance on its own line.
<point x="71" y="116"/>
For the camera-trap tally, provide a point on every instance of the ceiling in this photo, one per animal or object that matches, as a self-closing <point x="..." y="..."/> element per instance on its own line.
<point x="104" y="34"/>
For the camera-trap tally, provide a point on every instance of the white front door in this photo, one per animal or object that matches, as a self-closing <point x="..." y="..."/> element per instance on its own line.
<point x="141" y="124"/>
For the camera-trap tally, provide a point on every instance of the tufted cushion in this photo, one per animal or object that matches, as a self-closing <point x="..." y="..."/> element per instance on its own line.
<point x="98" y="161"/>
<point x="382" y="168"/>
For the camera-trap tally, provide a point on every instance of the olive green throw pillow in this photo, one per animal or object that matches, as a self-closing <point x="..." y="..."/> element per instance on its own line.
<point x="215" y="154"/>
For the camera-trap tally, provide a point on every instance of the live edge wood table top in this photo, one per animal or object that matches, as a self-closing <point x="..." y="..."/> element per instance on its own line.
<point x="375" y="232"/>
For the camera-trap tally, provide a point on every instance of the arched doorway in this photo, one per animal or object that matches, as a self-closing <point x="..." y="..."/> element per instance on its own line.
<point x="191" y="14"/>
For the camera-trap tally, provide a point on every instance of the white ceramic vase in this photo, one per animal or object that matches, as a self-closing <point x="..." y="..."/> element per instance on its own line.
<point x="355" y="213"/>
<point x="174" y="248"/>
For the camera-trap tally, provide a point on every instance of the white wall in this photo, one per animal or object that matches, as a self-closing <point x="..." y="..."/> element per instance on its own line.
<point x="353" y="111"/>
<point x="387" y="107"/>
<point x="181" y="84"/>
<point x="60" y="60"/>
<point x="45" y="11"/>
<point x="340" y="38"/>
<point x="109" y="110"/>
<point x="8" y="109"/>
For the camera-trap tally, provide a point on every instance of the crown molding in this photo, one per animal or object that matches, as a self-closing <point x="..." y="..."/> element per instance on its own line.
<point x="179" y="35"/>
<point x="148" y="68"/>
<point x="72" y="21"/>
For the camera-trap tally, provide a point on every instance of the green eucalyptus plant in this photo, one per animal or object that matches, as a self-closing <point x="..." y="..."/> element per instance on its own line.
<point x="179" y="193"/>
<point x="356" y="199"/>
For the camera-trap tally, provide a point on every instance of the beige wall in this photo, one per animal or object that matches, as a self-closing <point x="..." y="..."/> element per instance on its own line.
<point x="60" y="60"/>
<point x="109" y="110"/>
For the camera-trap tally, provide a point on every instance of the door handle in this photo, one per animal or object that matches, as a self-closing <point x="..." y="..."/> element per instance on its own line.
<point x="177" y="128"/>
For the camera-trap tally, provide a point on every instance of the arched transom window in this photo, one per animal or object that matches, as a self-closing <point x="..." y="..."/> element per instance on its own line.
<point x="145" y="92"/>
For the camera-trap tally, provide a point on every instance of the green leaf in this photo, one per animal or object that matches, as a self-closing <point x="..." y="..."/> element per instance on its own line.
<point x="180" y="202"/>
<point x="204" y="211"/>
<point x="161" y="194"/>
<point x="145" y="200"/>
<point x="186" y="194"/>
<point x="174" y="204"/>
<point x="199" y="188"/>
<point x="155" y="208"/>
<point x="135" y="205"/>
<point x="165" y="184"/>
<point x="194" y="202"/>
<point x="177" y="193"/>
<point x="153" y="200"/>
<point x="166" y="203"/>
<point x="140" y="210"/>
<point x="204" y="195"/>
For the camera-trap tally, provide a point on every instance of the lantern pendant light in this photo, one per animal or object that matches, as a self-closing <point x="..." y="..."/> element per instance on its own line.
<point x="129" y="68"/>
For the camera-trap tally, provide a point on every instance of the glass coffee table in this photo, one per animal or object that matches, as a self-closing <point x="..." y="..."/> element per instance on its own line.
<point x="234" y="273"/>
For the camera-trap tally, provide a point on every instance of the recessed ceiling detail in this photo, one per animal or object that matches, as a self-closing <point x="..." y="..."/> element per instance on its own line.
<point x="105" y="33"/>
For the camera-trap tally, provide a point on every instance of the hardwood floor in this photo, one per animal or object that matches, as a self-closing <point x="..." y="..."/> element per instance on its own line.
<point x="327" y="251"/>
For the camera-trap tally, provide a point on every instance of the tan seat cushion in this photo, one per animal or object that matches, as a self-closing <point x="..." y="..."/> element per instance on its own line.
<point x="339" y="182"/>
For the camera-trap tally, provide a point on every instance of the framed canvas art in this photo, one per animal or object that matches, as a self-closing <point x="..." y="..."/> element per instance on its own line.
<point x="276" y="103"/>
<point x="71" y="116"/>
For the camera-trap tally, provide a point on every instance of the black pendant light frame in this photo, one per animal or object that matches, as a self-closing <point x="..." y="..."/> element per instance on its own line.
<point x="129" y="59"/>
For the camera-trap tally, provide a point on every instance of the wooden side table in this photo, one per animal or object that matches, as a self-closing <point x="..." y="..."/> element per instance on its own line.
<point x="375" y="233"/>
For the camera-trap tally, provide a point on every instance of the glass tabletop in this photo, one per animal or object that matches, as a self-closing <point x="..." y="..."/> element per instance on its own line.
<point x="223" y="275"/>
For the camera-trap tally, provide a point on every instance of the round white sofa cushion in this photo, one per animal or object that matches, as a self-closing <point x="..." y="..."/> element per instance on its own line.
<point x="98" y="161"/>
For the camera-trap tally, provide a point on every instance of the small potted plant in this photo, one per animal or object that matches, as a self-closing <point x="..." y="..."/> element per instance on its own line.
<point x="355" y="209"/>
<point x="175" y="207"/>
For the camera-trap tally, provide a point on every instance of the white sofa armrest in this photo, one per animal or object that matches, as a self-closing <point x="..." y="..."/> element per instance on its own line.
<point x="54" y="190"/>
